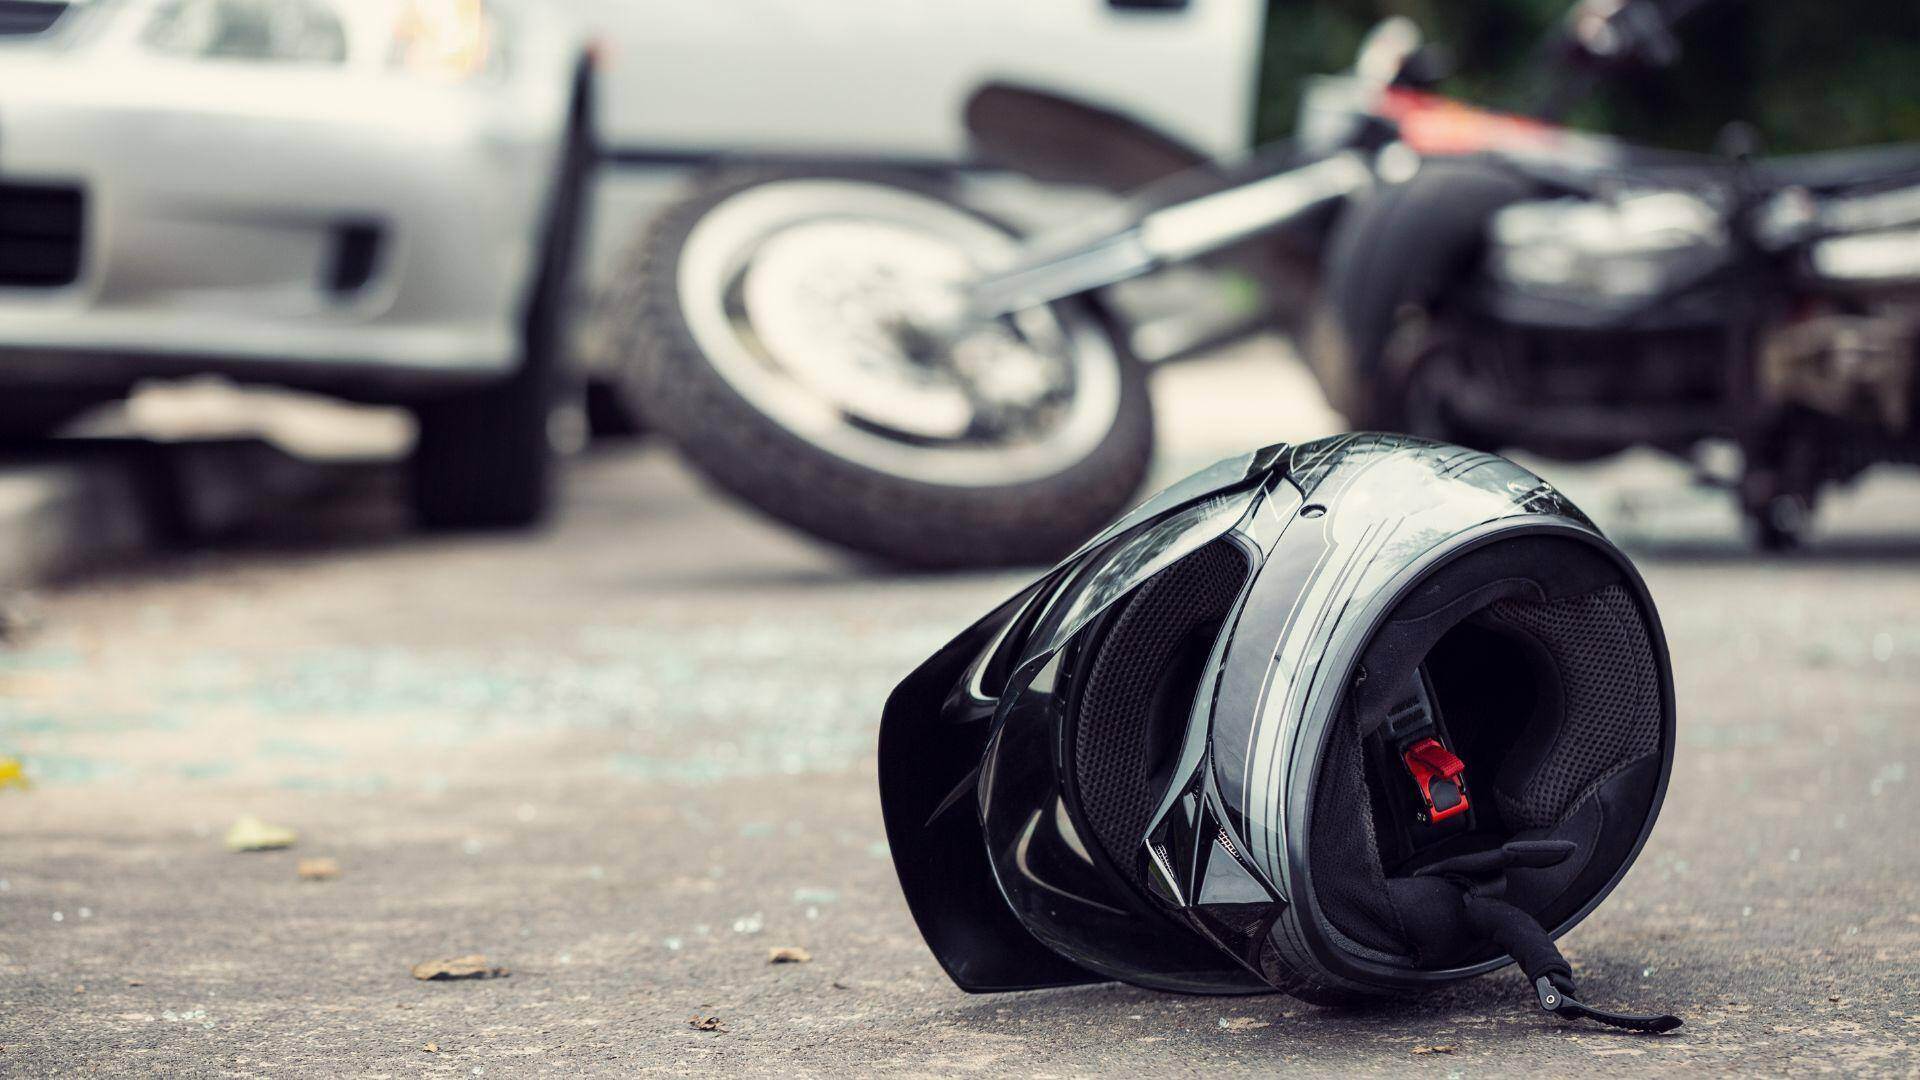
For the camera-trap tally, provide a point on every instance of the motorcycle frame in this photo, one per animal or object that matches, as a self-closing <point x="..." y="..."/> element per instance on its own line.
<point x="1386" y="130"/>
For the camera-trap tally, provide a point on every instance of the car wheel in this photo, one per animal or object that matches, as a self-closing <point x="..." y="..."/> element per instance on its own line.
<point x="488" y="458"/>
<point x="609" y="414"/>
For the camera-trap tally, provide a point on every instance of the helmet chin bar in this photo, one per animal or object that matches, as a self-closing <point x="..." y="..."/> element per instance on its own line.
<point x="1196" y="867"/>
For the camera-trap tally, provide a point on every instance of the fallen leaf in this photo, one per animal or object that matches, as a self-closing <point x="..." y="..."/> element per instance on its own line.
<point x="706" y="1023"/>
<point x="1242" y="1023"/>
<point x="13" y="774"/>
<point x="320" y="869"/>
<point x="473" y="966"/>
<point x="1436" y="1048"/>
<point x="252" y="834"/>
<point x="788" y="954"/>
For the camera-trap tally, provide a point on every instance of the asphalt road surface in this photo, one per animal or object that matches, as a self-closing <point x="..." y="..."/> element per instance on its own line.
<point x="627" y="759"/>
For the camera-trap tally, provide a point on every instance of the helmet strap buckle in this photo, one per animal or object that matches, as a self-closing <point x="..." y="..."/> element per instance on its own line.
<point x="1412" y="739"/>
<point x="1440" y="775"/>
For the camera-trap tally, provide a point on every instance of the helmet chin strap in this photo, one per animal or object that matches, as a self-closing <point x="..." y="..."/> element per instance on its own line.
<point x="1482" y="880"/>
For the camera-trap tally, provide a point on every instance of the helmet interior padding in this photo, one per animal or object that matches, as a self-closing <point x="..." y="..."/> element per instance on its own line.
<point x="1137" y="697"/>
<point x="1538" y="664"/>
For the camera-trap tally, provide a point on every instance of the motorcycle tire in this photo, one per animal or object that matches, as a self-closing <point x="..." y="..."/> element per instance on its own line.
<point x="871" y="501"/>
<point x="1397" y="251"/>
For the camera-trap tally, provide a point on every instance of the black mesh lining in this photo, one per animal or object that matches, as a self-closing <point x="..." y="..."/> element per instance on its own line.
<point x="1599" y="644"/>
<point x="1138" y="692"/>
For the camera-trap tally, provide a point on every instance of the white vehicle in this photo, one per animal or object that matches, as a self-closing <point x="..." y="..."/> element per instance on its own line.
<point x="686" y="87"/>
<point x="891" y="78"/>
<point x="372" y="198"/>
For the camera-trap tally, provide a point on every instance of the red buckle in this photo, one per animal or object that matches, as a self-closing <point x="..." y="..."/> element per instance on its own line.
<point x="1440" y="775"/>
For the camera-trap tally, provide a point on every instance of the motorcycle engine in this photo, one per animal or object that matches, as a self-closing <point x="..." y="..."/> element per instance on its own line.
<point x="1856" y="366"/>
<point x="1609" y="253"/>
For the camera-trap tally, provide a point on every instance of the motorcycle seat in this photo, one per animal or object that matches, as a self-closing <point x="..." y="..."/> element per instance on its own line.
<point x="1827" y="172"/>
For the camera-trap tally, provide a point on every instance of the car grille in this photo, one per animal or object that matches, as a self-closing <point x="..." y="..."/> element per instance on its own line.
<point x="40" y="226"/>
<point x="19" y="18"/>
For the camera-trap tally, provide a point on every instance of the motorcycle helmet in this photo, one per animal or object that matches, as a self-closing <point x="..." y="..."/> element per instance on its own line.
<point x="1343" y="719"/>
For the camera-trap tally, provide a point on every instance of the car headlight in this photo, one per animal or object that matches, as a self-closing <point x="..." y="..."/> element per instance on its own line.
<point x="446" y="39"/>
<point x="449" y="40"/>
<point x="300" y="31"/>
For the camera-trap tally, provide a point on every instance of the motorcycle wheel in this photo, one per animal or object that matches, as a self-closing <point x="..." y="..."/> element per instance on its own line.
<point x="799" y="336"/>
<point x="1389" y="263"/>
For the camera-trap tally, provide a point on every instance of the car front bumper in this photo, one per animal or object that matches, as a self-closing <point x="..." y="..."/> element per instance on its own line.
<point x="340" y="229"/>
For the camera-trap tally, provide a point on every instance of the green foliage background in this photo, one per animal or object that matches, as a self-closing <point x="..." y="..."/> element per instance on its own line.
<point x="1811" y="74"/>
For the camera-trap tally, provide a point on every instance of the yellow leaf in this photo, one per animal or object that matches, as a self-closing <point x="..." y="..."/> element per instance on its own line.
<point x="13" y="774"/>
<point x="251" y="834"/>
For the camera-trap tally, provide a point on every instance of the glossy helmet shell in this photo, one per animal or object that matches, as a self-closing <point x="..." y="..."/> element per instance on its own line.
<point x="1161" y="762"/>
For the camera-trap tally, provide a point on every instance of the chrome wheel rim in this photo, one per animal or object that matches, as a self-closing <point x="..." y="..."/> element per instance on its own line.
<point x="836" y="308"/>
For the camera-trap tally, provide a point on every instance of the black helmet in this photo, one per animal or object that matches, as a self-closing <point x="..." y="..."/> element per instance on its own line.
<point x="1343" y="719"/>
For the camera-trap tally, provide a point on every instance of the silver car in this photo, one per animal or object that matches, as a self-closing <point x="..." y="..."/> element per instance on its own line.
<point x="377" y="199"/>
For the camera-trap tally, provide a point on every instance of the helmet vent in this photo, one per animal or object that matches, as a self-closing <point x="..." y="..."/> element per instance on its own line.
<point x="1133" y="707"/>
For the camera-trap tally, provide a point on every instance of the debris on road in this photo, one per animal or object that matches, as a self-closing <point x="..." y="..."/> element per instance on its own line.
<point x="700" y="1022"/>
<point x="1242" y="1023"/>
<point x="431" y="1048"/>
<point x="788" y="954"/>
<point x="251" y="834"/>
<point x="472" y="966"/>
<point x="1436" y="1048"/>
<point x="318" y="869"/>
<point x="13" y="774"/>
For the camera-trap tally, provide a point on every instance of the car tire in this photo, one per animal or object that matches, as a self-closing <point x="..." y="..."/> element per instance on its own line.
<point x="609" y="414"/>
<point x="489" y="458"/>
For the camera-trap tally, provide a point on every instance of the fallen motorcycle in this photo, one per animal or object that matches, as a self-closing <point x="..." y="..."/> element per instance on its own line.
<point x="868" y="358"/>
<point x="837" y="347"/>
